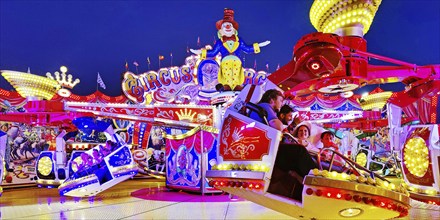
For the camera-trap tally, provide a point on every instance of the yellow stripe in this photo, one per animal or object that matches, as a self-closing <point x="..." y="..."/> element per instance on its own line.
<point x="203" y="55"/>
<point x="234" y="48"/>
<point x="192" y="132"/>
<point x="256" y="48"/>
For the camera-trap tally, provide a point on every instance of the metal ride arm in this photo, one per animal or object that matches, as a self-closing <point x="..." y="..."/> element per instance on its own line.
<point x="157" y="114"/>
<point x="382" y="58"/>
<point x="61" y="159"/>
<point x="3" y="140"/>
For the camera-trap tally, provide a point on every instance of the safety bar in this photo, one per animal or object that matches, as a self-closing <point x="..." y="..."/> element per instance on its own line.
<point x="350" y="162"/>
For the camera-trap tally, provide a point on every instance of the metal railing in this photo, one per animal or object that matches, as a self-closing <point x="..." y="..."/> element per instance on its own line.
<point x="355" y="166"/>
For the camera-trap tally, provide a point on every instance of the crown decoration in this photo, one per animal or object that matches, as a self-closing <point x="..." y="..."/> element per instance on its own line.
<point x="186" y="115"/>
<point x="63" y="79"/>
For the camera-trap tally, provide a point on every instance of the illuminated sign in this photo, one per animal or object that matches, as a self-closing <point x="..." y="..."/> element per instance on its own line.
<point x="180" y="84"/>
<point x="160" y="86"/>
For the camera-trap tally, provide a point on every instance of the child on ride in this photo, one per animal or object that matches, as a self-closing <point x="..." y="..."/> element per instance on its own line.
<point x="327" y="141"/>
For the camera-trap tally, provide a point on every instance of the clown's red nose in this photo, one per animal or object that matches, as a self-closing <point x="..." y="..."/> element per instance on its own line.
<point x="228" y="26"/>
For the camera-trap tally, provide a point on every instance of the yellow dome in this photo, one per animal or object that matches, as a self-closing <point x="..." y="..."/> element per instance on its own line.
<point x="30" y="85"/>
<point x="328" y="16"/>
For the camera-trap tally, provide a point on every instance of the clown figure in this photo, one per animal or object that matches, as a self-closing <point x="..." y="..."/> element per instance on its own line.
<point x="230" y="46"/>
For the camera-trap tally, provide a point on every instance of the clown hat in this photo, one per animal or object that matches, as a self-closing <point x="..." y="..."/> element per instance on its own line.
<point x="228" y="16"/>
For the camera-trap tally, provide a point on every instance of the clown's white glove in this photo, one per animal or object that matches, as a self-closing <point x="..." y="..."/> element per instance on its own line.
<point x="265" y="43"/>
<point x="195" y="51"/>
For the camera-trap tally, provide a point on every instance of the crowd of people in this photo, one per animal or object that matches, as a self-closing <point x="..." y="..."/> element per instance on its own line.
<point x="281" y="117"/>
<point x="293" y="157"/>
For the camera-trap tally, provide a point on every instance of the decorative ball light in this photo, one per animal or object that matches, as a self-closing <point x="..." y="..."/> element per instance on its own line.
<point x="45" y="166"/>
<point x="77" y="160"/>
<point x="361" y="159"/>
<point x="416" y="156"/>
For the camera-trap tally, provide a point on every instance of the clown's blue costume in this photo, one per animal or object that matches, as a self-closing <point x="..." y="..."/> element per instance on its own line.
<point x="230" y="47"/>
<point x="231" y="71"/>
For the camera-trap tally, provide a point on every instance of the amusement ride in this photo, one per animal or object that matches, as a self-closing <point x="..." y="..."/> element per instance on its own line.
<point x="190" y="125"/>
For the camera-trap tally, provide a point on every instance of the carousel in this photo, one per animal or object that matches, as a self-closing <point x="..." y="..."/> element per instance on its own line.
<point x="168" y="118"/>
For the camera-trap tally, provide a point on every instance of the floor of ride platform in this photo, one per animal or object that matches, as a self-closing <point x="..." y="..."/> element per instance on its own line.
<point x="140" y="199"/>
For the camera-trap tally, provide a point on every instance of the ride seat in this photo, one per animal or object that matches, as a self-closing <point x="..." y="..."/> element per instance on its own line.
<point x="290" y="167"/>
<point x="285" y="184"/>
<point x="251" y="107"/>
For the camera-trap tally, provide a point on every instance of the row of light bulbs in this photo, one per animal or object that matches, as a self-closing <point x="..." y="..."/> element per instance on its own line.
<point x="361" y="179"/>
<point x="244" y="167"/>
<point x="367" y="199"/>
<point x="429" y="191"/>
<point x="329" y="15"/>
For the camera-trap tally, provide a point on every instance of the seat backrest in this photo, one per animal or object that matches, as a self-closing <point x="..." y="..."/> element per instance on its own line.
<point x="251" y="107"/>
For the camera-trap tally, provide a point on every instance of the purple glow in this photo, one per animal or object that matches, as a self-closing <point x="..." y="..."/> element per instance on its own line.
<point x="163" y="194"/>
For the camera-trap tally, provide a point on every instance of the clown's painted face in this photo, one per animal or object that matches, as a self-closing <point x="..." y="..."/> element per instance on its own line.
<point x="227" y="29"/>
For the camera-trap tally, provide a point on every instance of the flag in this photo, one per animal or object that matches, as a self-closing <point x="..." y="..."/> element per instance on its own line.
<point x="255" y="64"/>
<point x="148" y="60"/>
<point x="171" y="57"/>
<point x="214" y="40"/>
<point x="126" y="65"/>
<point x="267" y="66"/>
<point x="100" y="82"/>
<point x="187" y="49"/>
<point x="136" y="63"/>
<point x="278" y="67"/>
<point x="198" y="41"/>
<point x="161" y="57"/>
